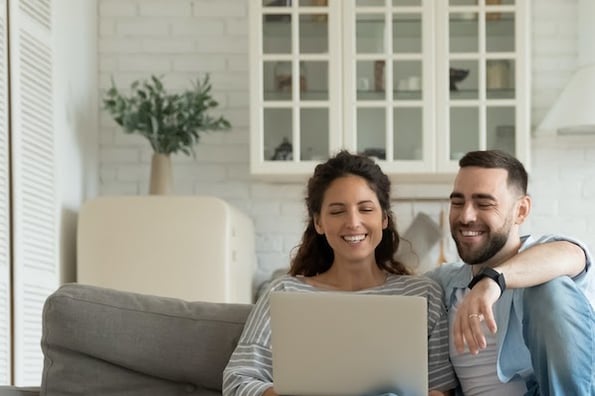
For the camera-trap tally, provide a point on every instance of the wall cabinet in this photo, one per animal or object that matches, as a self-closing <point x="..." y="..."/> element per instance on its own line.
<point x="414" y="83"/>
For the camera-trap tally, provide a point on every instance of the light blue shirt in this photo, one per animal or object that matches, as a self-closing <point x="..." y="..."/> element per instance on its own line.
<point x="513" y="355"/>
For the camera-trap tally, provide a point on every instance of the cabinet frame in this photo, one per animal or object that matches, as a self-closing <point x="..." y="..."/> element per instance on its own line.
<point x="436" y="164"/>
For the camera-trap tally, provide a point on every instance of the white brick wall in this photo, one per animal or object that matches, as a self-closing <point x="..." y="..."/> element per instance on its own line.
<point x="182" y="39"/>
<point x="563" y="168"/>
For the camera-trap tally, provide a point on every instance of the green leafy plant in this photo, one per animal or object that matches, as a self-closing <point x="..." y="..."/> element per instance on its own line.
<point x="171" y="122"/>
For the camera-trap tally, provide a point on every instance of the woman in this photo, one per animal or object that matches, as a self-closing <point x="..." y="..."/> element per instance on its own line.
<point x="348" y="245"/>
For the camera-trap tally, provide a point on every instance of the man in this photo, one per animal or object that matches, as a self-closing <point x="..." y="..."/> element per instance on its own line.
<point x="517" y="303"/>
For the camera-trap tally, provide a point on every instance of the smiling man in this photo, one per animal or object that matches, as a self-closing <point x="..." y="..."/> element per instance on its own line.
<point x="520" y="318"/>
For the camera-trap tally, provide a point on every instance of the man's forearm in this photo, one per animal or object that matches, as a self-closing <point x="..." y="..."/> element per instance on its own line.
<point x="541" y="263"/>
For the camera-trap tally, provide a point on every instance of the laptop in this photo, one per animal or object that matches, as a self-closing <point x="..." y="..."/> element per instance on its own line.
<point x="338" y="343"/>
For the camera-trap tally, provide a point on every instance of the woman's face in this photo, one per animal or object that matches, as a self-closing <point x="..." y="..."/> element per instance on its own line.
<point x="351" y="219"/>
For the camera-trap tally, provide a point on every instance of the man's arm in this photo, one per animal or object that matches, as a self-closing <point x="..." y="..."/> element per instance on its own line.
<point x="541" y="263"/>
<point x="533" y="266"/>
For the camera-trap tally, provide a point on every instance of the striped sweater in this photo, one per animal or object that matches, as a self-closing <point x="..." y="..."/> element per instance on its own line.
<point x="249" y="371"/>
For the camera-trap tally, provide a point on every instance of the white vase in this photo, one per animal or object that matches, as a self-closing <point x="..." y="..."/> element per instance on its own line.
<point x="161" y="175"/>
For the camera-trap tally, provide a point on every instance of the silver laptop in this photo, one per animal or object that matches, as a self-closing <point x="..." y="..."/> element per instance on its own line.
<point x="333" y="343"/>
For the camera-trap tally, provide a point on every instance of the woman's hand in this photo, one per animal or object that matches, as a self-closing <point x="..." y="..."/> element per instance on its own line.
<point x="270" y="392"/>
<point x="439" y="393"/>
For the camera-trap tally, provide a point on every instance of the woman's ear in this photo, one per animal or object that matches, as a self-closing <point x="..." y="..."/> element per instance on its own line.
<point x="317" y="225"/>
<point x="384" y="221"/>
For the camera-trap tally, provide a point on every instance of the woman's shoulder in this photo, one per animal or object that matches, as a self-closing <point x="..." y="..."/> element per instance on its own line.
<point x="414" y="284"/>
<point x="289" y="283"/>
<point x="413" y="279"/>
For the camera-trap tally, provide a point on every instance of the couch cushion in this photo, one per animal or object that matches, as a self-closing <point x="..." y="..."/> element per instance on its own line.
<point x="99" y="341"/>
<point x="18" y="391"/>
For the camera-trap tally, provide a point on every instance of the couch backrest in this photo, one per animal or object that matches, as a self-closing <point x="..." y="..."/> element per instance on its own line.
<point x="99" y="341"/>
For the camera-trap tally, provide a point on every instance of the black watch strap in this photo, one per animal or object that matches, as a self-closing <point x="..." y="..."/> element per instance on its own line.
<point x="494" y="275"/>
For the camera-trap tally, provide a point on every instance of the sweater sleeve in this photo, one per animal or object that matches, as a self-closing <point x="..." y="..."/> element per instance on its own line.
<point x="249" y="371"/>
<point x="441" y="374"/>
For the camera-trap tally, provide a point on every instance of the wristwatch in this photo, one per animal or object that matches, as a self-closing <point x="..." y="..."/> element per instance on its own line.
<point x="494" y="275"/>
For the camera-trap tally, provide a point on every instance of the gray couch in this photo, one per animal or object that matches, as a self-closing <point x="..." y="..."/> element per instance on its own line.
<point x="105" y="342"/>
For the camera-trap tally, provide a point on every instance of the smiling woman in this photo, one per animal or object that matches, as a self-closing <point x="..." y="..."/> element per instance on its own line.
<point x="352" y="222"/>
<point x="348" y="245"/>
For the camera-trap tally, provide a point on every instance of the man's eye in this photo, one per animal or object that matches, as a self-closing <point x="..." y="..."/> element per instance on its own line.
<point x="336" y="212"/>
<point x="485" y="205"/>
<point x="456" y="203"/>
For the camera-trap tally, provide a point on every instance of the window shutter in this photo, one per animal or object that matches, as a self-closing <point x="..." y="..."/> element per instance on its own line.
<point x="34" y="195"/>
<point x="5" y="321"/>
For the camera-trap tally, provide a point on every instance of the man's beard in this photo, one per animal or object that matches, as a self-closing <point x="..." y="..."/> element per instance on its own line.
<point x="493" y="246"/>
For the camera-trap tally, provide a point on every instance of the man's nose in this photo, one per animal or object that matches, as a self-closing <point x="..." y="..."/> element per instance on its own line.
<point x="468" y="213"/>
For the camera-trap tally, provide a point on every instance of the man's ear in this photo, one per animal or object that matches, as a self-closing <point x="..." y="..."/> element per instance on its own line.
<point x="523" y="209"/>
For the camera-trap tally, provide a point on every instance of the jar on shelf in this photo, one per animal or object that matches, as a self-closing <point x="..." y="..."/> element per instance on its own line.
<point x="493" y="16"/>
<point x="319" y="17"/>
<point x="283" y="80"/>
<point x="498" y="74"/>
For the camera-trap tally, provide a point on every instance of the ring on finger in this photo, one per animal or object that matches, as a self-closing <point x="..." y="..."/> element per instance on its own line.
<point x="475" y="315"/>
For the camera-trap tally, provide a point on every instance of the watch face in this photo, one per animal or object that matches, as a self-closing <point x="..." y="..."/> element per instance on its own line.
<point x="493" y="275"/>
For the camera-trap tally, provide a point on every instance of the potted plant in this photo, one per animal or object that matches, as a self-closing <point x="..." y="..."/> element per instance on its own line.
<point x="171" y="123"/>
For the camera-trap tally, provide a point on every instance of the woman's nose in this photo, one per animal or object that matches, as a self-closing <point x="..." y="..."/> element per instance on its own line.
<point x="353" y="218"/>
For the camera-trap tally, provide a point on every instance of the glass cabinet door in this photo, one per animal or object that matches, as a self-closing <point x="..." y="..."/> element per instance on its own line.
<point x="482" y="62"/>
<point x="389" y="68"/>
<point x="298" y="81"/>
<point x="413" y="83"/>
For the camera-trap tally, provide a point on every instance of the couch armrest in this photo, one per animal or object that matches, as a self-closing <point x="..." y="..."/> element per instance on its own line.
<point x="99" y="341"/>
<point x="16" y="391"/>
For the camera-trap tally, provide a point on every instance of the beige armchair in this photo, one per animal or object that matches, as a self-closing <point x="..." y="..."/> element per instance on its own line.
<point x="197" y="248"/>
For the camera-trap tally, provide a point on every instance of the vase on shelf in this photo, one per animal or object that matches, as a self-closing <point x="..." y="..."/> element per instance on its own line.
<point x="379" y="75"/>
<point x="161" y="175"/>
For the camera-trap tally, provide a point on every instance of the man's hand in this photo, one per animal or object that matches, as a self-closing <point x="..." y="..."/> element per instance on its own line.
<point x="473" y="309"/>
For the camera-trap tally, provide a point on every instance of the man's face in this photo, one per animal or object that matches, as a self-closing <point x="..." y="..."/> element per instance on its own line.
<point x="484" y="214"/>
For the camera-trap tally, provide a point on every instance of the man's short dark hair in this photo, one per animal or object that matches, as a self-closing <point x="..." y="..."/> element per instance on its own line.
<point x="517" y="175"/>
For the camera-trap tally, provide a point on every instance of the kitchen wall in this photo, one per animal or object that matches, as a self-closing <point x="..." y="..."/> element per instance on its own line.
<point x="75" y="68"/>
<point x="181" y="38"/>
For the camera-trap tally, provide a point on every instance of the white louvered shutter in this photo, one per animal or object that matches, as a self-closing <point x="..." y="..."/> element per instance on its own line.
<point x="34" y="198"/>
<point x="5" y="320"/>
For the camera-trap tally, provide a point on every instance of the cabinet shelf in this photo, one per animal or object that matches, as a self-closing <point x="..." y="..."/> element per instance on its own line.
<point x="312" y="28"/>
<point x="304" y="95"/>
<point x="494" y="28"/>
<point x="397" y="95"/>
<point x="362" y="95"/>
<point x="490" y="94"/>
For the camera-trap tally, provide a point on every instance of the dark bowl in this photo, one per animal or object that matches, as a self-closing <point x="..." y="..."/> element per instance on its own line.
<point x="456" y="76"/>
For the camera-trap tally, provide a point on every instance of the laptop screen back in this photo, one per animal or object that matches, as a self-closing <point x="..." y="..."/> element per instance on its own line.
<point x="342" y="343"/>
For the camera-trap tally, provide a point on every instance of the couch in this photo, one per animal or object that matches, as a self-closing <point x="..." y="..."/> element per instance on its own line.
<point x="100" y="341"/>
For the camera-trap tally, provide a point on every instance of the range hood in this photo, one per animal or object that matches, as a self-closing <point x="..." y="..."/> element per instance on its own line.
<point x="574" y="110"/>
